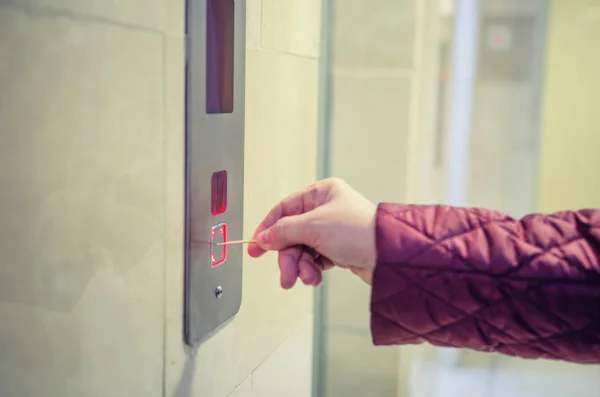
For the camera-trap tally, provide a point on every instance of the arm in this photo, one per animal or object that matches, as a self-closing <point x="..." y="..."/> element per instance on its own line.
<point x="478" y="279"/>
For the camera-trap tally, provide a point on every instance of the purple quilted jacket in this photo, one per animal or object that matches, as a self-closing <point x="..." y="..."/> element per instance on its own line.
<point x="478" y="279"/>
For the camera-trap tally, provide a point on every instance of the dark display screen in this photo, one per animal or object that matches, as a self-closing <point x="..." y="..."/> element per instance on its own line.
<point x="220" y="41"/>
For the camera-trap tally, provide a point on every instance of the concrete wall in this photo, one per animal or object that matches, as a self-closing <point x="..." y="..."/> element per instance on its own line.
<point x="91" y="199"/>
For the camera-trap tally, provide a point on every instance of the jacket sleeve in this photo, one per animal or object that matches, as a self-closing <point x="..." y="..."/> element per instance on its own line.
<point x="478" y="279"/>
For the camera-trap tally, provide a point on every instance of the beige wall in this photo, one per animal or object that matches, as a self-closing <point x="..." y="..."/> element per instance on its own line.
<point x="91" y="198"/>
<point x="569" y="168"/>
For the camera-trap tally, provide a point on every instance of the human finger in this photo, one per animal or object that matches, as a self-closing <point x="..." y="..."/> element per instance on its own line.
<point x="307" y="269"/>
<point x="295" y="204"/>
<point x="288" y="266"/>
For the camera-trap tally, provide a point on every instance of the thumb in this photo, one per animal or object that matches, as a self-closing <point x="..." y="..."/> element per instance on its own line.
<point x="286" y="232"/>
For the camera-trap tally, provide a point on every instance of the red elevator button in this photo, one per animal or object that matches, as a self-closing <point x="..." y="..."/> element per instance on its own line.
<point x="218" y="253"/>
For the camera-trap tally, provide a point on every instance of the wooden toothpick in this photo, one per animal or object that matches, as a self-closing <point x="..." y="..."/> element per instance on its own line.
<point x="237" y="242"/>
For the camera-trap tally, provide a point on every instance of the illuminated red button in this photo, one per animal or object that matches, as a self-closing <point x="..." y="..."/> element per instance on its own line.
<point x="218" y="253"/>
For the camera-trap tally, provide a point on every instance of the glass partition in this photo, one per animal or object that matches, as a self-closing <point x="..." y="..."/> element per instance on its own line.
<point x="474" y="103"/>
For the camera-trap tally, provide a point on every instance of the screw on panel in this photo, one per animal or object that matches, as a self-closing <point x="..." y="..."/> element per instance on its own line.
<point x="219" y="292"/>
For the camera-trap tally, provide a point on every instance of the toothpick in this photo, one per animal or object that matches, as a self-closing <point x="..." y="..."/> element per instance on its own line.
<point x="236" y="242"/>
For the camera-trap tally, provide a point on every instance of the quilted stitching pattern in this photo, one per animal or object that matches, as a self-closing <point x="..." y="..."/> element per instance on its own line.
<point x="479" y="279"/>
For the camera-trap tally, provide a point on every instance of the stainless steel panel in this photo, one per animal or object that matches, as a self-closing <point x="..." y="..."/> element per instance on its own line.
<point x="214" y="142"/>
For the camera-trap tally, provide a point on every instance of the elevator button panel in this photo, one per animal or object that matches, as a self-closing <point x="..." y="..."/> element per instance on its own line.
<point x="214" y="165"/>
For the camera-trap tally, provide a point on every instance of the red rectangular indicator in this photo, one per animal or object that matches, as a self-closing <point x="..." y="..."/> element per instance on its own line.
<point x="218" y="198"/>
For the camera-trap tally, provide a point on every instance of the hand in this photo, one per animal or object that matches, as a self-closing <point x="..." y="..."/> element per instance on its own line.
<point x="328" y="224"/>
